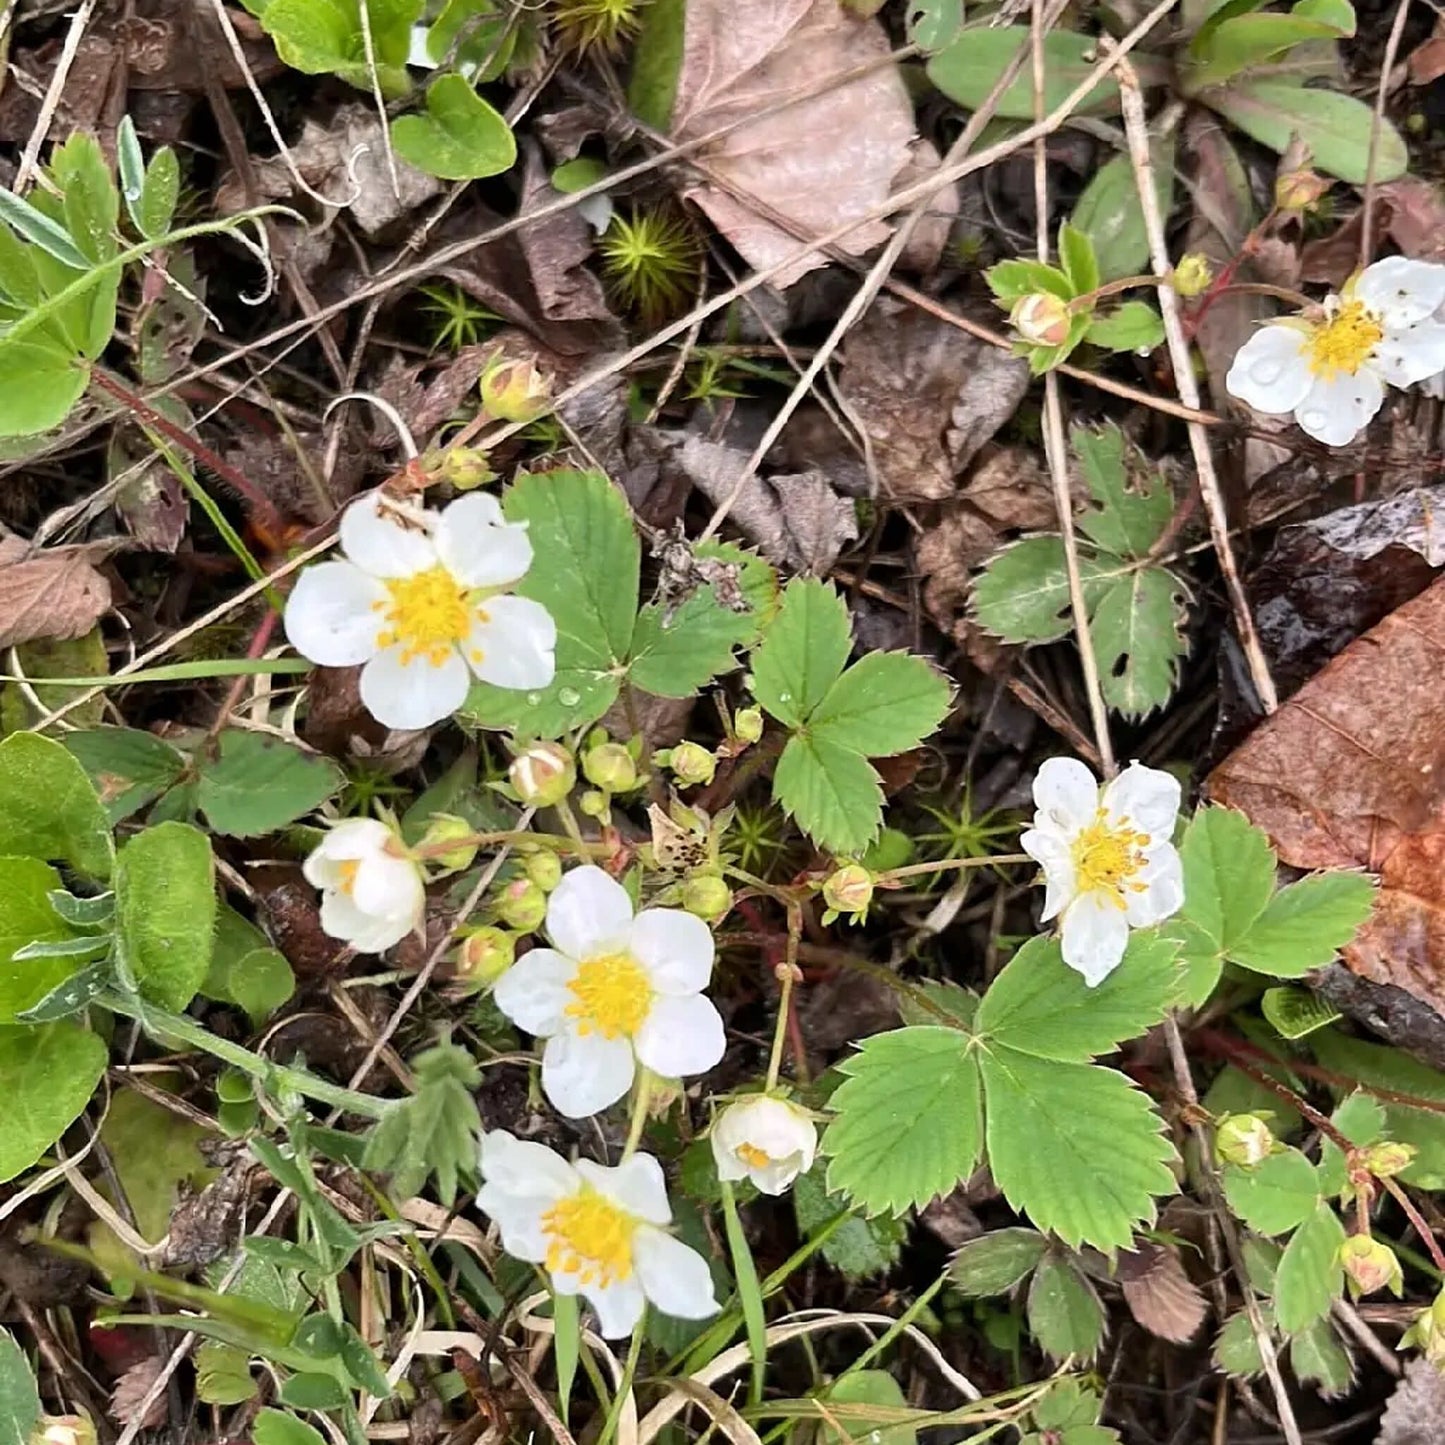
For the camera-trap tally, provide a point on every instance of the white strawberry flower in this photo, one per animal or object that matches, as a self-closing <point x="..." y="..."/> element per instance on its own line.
<point x="599" y="1232"/>
<point x="614" y="991"/>
<point x="372" y="892"/>
<point x="765" y="1139"/>
<point x="1330" y="366"/>
<point x="421" y="601"/>
<point x="1108" y="861"/>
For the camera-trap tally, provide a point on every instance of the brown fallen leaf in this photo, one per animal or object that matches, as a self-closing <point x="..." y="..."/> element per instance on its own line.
<point x="55" y="593"/>
<point x="132" y="1388"/>
<point x="1417" y="210"/>
<point x="821" y="162"/>
<point x="1427" y="61"/>
<point x="1161" y="1297"/>
<point x="1416" y="1412"/>
<point x="1350" y="773"/>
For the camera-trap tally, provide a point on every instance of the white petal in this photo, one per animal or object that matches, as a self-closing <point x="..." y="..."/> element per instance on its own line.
<point x="1412" y="354"/>
<point x="1053" y="855"/>
<point x="675" y="948"/>
<point x="387" y="539"/>
<point x="1270" y="372"/>
<point x="1163" y="894"/>
<point x="1095" y="934"/>
<point x="1339" y="408"/>
<point x="478" y="547"/>
<point x="517" y="643"/>
<point x="781" y="1131"/>
<point x="618" y="1305"/>
<point x="415" y="694"/>
<point x="346" y="842"/>
<point x="332" y="615"/>
<point x="534" y="992"/>
<point x="365" y="932"/>
<point x="525" y="1169"/>
<point x="589" y="913"/>
<point x="1402" y="291"/>
<point x="1147" y="797"/>
<point x="636" y="1184"/>
<point x="730" y="1165"/>
<point x="520" y="1224"/>
<point x="681" y="1036"/>
<point x="389" y="887"/>
<point x="777" y="1176"/>
<point x="584" y="1073"/>
<point x="675" y="1278"/>
<point x="1066" y="793"/>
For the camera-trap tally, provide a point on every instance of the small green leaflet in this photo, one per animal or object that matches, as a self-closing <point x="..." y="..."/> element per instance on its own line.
<point x="884" y="704"/>
<point x="1065" y="1315"/>
<point x="1309" y="1277"/>
<point x="47" y="1075"/>
<point x="995" y="1262"/>
<point x="460" y="138"/>
<point x="1276" y="1195"/>
<point x="19" y="1397"/>
<point x="1137" y="609"/>
<point x="859" y="1247"/>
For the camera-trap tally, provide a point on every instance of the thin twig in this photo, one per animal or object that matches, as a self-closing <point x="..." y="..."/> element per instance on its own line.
<point x="53" y="93"/>
<point x="1392" y="49"/>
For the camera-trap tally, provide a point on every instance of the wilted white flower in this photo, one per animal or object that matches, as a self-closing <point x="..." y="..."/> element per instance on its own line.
<point x="1331" y="370"/>
<point x="765" y="1139"/>
<point x="612" y="992"/>
<point x="1108" y="862"/>
<point x="598" y="1232"/>
<point x="371" y="889"/>
<point x="420" y="600"/>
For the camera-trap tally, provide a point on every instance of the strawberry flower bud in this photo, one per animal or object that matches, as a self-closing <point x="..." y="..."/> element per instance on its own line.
<point x="1370" y="1265"/>
<point x="1041" y="319"/>
<point x="1243" y="1139"/>
<point x="543" y="774"/>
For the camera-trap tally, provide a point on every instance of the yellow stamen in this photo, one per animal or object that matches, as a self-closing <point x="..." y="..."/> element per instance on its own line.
<point x="589" y="1236"/>
<point x="1107" y="856"/>
<point x="613" y="995"/>
<point x="348" y="868"/>
<point x="1344" y="342"/>
<point x="754" y="1157"/>
<point x="430" y="616"/>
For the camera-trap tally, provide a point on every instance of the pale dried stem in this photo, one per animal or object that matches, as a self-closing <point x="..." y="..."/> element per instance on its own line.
<point x="369" y="44"/>
<point x="1392" y="49"/>
<point x="53" y="93"/>
<point x="1136" y="130"/>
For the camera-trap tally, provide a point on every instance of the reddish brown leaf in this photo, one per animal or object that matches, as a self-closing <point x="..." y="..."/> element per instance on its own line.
<point x="132" y="1388"/>
<point x="1160" y="1296"/>
<point x="50" y="594"/>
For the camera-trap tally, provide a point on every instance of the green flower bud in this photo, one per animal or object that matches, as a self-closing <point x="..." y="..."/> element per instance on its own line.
<point x="466" y="468"/>
<point x="483" y="956"/>
<point x="748" y="724"/>
<point x="1370" y="1265"/>
<point x="691" y="764"/>
<point x="64" y="1430"/>
<point x="1042" y="319"/>
<point x="611" y="767"/>
<point x="1193" y="276"/>
<point x="543" y="774"/>
<point x="514" y="391"/>
<point x="1428" y="1332"/>
<point x="1243" y="1139"/>
<point x="593" y="804"/>
<point x="707" y="896"/>
<point x="1300" y="189"/>
<point x="544" y="869"/>
<point x="442" y="829"/>
<point x="1386" y="1159"/>
<point x="522" y="905"/>
<point x="848" y="890"/>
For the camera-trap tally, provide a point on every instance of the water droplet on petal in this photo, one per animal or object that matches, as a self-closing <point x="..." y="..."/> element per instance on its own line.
<point x="534" y="699"/>
<point x="1266" y="373"/>
<point x="569" y="696"/>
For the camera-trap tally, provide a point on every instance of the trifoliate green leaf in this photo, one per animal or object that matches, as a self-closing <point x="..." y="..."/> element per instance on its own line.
<point x="1075" y="1147"/>
<point x="1065" y="1315"/>
<point x="434" y="1132"/>
<point x="459" y="138"/>
<point x="1305" y="925"/>
<point x="1236" y="1348"/>
<point x="908" y="1120"/>
<point x="802" y="653"/>
<point x="1229" y="872"/>
<point x="832" y="793"/>
<point x="1274" y="1196"/>
<point x="47" y="1075"/>
<point x="995" y="1262"/>
<point x="1022" y="595"/>
<point x="1040" y="1006"/>
<point x="254" y="784"/>
<point x="1309" y="1277"/>
<point x="48" y="808"/>
<point x="859" y="1247"/>
<point x="886" y="703"/>
<point x="1133" y="503"/>
<point x="1134" y="326"/>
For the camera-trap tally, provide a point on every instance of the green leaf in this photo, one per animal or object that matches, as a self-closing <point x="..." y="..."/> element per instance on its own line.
<point x="1338" y="126"/>
<point x="33" y="225"/>
<point x="1133" y="326"/>
<point x="1246" y="42"/>
<point x="1229" y="872"/>
<point x="860" y="1247"/>
<point x="832" y="793"/>
<point x="436" y="1131"/>
<point x="1138" y="633"/>
<point x="1109" y="212"/>
<point x="91" y="201"/>
<point x="1305" y="925"/>
<point x="1274" y="1196"/>
<point x="1067" y="1406"/>
<point x="802" y="653"/>
<point x="1309" y="1277"/>
<point x="995" y="1262"/>
<point x="1016" y="277"/>
<point x="162" y="189"/>
<point x="1318" y="1358"/>
<point x="47" y="1075"/>
<point x="863" y="1388"/>
<point x="460" y="138"/>
<point x="127" y="767"/>
<point x="1040" y="1006"/>
<point x="223" y="1375"/>
<point x="487" y="32"/>
<point x="908" y="1120"/>
<point x="276" y="1427"/>
<point x="165" y="911"/>
<point x="1133" y="503"/>
<point x="319" y="37"/>
<point x="1022" y="594"/>
<point x="933" y="24"/>
<point x="26" y="917"/>
<point x="1075" y="1147"/>
<point x="256" y="784"/>
<point x="886" y="703"/>
<point x="1076" y="254"/>
<point x="657" y="62"/>
<point x="1065" y="1315"/>
<point x="19" y="1394"/>
<point x="48" y="808"/>
<point x="1236" y="1348"/>
<point x="40" y="381"/>
<point x="969" y="69"/>
<point x="1296" y="1013"/>
<point x="245" y="970"/>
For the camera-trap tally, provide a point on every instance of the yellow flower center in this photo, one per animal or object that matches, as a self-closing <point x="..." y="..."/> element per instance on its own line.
<point x="589" y="1236"/>
<point x="754" y="1157"/>
<point x="348" y="868"/>
<point x="430" y="615"/>
<point x="1344" y="342"/>
<point x="1106" y="857"/>
<point x="612" y="993"/>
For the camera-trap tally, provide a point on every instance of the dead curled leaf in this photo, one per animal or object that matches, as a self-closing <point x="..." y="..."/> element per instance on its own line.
<point x="1161" y="1297"/>
<point x="821" y="162"/>
<point x="56" y="593"/>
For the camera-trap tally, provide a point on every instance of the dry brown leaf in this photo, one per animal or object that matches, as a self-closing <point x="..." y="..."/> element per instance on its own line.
<point x="1160" y="1296"/>
<point x="1427" y="60"/>
<point x="1416" y="1412"/>
<point x="1416" y="210"/>
<point x="56" y="593"/>
<point x="945" y="557"/>
<point x="821" y="162"/>
<point x="1350" y="773"/>
<point x="132" y="1387"/>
